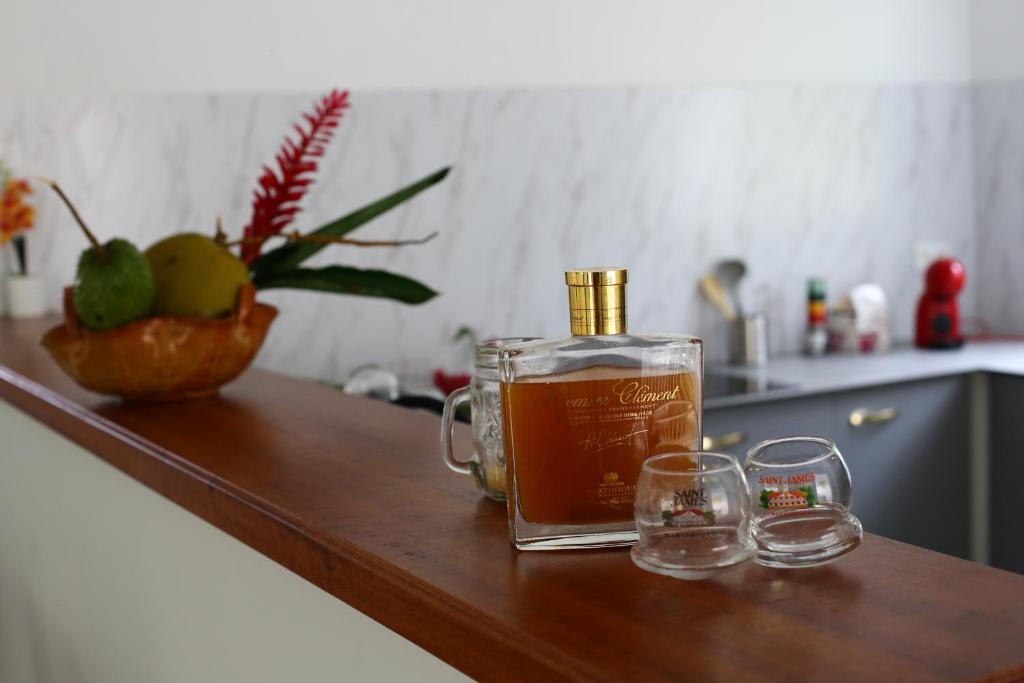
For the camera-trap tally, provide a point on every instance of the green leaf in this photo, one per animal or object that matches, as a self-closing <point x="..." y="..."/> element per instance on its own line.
<point x="465" y="332"/>
<point x="347" y="280"/>
<point x="289" y="256"/>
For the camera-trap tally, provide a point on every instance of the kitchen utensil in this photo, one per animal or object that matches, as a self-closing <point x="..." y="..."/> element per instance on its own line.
<point x="730" y="272"/>
<point x="715" y="292"/>
<point x="692" y="514"/>
<point x="801" y="492"/>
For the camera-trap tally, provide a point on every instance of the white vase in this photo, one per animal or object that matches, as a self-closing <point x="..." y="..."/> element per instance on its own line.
<point x="25" y="296"/>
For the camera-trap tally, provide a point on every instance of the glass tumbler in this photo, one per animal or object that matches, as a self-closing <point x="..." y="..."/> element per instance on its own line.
<point x="487" y="462"/>
<point x="802" y="496"/>
<point x="692" y="514"/>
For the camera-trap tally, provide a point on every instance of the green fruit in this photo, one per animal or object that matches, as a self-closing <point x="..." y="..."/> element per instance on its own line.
<point x="113" y="288"/>
<point x="195" y="276"/>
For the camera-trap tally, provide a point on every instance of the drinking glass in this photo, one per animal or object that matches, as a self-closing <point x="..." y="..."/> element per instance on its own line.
<point x="692" y="514"/>
<point x="802" y="495"/>
<point x="487" y="462"/>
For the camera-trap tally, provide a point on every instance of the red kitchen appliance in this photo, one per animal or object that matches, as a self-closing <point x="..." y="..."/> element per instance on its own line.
<point x="938" y="316"/>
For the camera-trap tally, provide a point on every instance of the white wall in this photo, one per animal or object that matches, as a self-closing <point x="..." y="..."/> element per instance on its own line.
<point x="997" y="51"/>
<point x="866" y="142"/>
<point x="113" y="46"/>
<point x="998" y="121"/>
<point x="104" y="581"/>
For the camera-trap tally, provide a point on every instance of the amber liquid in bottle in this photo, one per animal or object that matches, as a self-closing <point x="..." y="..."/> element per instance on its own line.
<point x="581" y="437"/>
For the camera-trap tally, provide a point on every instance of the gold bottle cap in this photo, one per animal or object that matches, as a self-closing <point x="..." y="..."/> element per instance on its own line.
<point x="597" y="301"/>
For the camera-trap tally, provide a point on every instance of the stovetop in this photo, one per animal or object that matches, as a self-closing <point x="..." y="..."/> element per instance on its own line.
<point x="718" y="385"/>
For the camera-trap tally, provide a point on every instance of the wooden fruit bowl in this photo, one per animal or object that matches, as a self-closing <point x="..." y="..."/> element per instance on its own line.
<point x="163" y="358"/>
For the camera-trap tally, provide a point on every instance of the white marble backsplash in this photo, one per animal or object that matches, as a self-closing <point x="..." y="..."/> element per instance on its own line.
<point x="999" y="188"/>
<point x="838" y="182"/>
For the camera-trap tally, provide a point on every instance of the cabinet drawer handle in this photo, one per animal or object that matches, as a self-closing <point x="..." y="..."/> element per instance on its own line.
<point x="727" y="440"/>
<point x="868" y="416"/>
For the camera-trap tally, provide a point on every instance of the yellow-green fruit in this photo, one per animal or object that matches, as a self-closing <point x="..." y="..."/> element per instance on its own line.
<point x="195" y="276"/>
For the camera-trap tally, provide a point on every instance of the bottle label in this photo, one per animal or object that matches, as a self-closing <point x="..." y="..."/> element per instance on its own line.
<point x="578" y="446"/>
<point x="687" y="508"/>
<point x="789" y="492"/>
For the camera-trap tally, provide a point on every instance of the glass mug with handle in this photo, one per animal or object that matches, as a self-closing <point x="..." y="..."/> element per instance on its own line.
<point x="487" y="462"/>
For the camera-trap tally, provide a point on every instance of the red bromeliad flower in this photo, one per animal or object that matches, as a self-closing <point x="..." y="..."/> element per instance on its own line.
<point x="276" y="200"/>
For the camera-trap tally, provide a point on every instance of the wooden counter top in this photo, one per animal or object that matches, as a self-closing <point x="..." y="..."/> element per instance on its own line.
<point x="351" y="494"/>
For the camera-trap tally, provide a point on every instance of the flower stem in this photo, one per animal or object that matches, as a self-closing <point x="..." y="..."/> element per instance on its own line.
<point x="100" y="251"/>
<point x="19" y="250"/>
<point x="219" y="236"/>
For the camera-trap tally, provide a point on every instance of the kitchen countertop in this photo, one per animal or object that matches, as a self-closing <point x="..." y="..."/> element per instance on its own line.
<point x="804" y="376"/>
<point x="351" y="495"/>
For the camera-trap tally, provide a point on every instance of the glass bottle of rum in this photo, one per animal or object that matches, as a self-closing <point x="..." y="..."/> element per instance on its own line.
<point x="582" y="413"/>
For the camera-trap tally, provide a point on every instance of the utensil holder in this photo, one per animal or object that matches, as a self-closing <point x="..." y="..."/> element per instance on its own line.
<point x="748" y="341"/>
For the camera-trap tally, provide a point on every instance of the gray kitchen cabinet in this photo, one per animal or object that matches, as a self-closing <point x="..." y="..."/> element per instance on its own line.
<point x="907" y="447"/>
<point x="741" y="427"/>
<point x="908" y="456"/>
<point x="1006" y="514"/>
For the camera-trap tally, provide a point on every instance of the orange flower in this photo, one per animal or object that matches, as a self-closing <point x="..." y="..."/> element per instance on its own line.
<point x="15" y="214"/>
